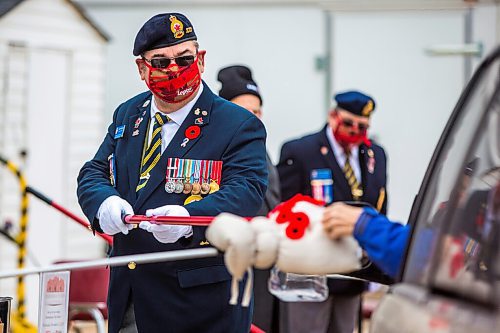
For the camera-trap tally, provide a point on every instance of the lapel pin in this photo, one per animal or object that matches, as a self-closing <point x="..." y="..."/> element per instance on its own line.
<point x="135" y="133"/>
<point x="137" y="123"/>
<point x="204" y="113"/>
<point x="184" y="142"/>
<point x="324" y="150"/>
<point x="198" y="121"/>
<point x="197" y="111"/>
<point x="146" y="103"/>
<point x="192" y="132"/>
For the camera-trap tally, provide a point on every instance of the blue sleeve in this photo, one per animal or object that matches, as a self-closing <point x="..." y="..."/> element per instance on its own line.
<point x="94" y="185"/>
<point x="383" y="240"/>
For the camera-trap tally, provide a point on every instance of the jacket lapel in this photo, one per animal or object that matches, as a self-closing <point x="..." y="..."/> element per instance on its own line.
<point x="177" y="148"/>
<point x="137" y="135"/>
<point x="339" y="180"/>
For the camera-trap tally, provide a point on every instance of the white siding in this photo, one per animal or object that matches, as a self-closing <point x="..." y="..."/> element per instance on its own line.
<point x="49" y="27"/>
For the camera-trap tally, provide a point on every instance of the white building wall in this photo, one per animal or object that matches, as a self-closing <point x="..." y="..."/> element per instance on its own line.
<point x="60" y="83"/>
<point x="279" y="43"/>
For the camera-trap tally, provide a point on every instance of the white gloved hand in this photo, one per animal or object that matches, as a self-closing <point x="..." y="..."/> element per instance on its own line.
<point x="165" y="233"/>
<point x="110" y="215"/>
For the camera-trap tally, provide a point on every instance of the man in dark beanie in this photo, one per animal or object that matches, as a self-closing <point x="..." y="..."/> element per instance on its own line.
<point x="174" y="150"/>
<point x="239" y="87"/>
<point x="338" y="163"/>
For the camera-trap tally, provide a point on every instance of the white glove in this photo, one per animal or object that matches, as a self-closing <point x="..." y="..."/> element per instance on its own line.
<point x="165" y="233"/>
<point x="110" y="215"/>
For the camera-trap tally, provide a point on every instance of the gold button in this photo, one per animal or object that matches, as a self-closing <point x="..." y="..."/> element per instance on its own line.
<point x="131" y="265"/>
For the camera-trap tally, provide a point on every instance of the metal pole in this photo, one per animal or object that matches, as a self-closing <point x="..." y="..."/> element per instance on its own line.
<point x="468" y="27"/>
<point x="328" y="59"/>
<point x="116" y="261"/>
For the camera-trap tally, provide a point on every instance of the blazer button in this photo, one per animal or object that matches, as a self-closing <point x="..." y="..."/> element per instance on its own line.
<point x="131" y="265"/>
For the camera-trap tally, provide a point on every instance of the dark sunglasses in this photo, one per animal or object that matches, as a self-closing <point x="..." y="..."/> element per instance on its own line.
<point x="349" y="123"/>
<point x="164" y="62"/>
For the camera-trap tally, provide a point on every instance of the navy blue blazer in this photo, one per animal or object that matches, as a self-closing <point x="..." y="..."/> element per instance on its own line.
<point x="186" y="295"/>
<point x="299" y="157"/>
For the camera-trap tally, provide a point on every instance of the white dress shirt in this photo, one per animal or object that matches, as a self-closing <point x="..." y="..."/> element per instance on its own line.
<point x="169" y="129"/>
<point x="340" y="155"/>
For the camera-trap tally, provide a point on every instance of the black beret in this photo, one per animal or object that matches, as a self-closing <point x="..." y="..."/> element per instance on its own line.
<point x="355" y="102"/>
<point x="163" y="30"/>
<point x="237" y="80"/>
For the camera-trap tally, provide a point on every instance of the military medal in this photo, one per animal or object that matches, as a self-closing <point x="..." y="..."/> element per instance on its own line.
<point x="179" y="185"/>
<point x="205" y="170"/>
<point x="196" y="189"/>
<point x="188" y="186"/>
<point x="205" y="188"/>
<point x="170" y="184"/>
<point x="215" y="176"/>
<point x="214" y="187"/>
<point x="197" y="178"/>
<point x="170" y="187"/>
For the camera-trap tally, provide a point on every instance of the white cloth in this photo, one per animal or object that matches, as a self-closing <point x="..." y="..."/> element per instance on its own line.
<point x="169" y="129"/>
<point x="165" y="233"/>
<point x="340" y="155"/>
<point x="110" y="215"/>
<point x="264" y="242"/>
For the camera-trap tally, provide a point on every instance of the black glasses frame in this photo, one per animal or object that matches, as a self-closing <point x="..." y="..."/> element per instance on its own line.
<point x="164" y="62"/>
<point x="350" y="123"/>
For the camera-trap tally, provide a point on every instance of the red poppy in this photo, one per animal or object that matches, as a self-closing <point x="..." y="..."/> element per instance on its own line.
<point x="192" y="132"/>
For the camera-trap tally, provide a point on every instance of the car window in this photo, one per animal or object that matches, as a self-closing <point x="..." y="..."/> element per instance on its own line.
<point x="468" y="255"/>
<point x="449" y="248"/>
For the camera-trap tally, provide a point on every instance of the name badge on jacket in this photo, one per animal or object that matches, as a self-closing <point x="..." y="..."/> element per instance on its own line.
<point x="119" y="132"/>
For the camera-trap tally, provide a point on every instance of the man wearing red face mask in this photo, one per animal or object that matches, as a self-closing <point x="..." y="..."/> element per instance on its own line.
<point x="338" y="163"/>
<point x="175" y="150"/>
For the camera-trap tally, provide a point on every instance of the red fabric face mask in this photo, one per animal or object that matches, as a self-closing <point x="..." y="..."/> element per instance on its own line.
<point x="346" y="140"/>
<point x="174" y="84"/>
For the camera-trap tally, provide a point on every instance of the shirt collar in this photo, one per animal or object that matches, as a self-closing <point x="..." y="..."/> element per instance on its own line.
<point x="181" y="114"/>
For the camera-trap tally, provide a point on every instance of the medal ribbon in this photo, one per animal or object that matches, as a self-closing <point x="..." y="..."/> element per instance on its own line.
<point x="197" y="167"/>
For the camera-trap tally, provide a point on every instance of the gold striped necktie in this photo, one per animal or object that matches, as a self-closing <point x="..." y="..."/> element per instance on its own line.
<point x="152" y="153"/>
<point x="356" y="190"/>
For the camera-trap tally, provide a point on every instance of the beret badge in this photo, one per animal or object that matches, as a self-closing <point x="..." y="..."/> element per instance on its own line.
<point x="176" y="27"/>
<point x="367" y="109"/>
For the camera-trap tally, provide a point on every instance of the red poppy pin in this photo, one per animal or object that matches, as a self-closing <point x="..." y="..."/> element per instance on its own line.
<point x="192" y="132"/>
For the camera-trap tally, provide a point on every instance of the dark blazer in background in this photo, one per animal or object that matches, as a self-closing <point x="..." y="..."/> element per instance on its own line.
<point x="299" y="157"/>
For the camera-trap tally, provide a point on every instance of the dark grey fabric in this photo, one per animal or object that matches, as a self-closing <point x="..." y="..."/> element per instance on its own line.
<point x="273" y="193"/>
<point x="128" y="324"/>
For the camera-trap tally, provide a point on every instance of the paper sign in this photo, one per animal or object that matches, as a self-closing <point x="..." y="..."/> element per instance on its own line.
<point x="54" y="298"/>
